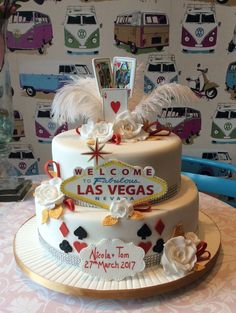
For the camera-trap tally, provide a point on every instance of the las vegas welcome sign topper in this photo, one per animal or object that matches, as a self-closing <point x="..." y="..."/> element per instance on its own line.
<point x="114" y="180"/>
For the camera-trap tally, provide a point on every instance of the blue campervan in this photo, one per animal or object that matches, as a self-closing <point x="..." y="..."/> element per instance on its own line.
<point x="206" y="169"/>
<point x="230" y="79"/>
<point x="48" y="78"/>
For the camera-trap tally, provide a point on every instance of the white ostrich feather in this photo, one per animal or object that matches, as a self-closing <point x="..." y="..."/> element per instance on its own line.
<point x="163" y="96"/>
<point x="77" y="101"/>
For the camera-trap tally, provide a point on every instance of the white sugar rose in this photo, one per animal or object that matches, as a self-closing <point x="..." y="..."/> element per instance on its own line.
<point x="128" y="127"/>
<point x="102" y="131"/>
<point x="86" y="130"/>
<point x="179" y="256"/>
<point x="121" y="209"/>
<point x="48" y="194"/>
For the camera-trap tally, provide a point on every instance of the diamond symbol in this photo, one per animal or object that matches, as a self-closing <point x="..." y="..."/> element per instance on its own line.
<point x="160" y="227"/>
<point x="64" y="230"/>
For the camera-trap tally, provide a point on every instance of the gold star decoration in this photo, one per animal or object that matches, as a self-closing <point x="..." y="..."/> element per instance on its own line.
<point x="96" y="152"/>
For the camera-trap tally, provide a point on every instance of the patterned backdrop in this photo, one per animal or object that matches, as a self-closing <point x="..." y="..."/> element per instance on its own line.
<point x="193" y="43"/>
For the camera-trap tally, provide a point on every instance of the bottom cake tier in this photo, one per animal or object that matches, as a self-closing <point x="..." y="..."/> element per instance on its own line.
<point x="74" y="230"/>
<point x="51" y="273"/>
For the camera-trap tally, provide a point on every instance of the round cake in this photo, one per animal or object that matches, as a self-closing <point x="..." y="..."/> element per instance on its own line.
<point x="116" y="201"/>
<point x="67" y="234"/>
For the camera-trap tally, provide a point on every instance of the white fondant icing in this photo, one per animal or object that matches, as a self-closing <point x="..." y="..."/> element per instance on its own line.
<point x="182" y="208"/>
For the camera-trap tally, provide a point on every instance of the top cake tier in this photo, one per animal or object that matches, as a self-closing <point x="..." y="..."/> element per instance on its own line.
<point x="163" y="153"/>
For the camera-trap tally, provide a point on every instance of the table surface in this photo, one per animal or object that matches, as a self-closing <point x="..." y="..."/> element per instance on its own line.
<point x="215" y="293"/>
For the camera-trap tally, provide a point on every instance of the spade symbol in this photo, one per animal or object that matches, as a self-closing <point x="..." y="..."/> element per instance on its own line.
<point x="144" y="231"/>
<point x="158" y="248"/>
<point x="81" y="233"/>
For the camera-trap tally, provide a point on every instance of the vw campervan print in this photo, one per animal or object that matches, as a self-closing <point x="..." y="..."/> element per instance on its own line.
<point x="183" y="121"/>
<point x="22" y="159"/>
<point x="160" y="69"/>
<point x="199" y="28"/>
<point x="45" y="128"/>
<point x="206" y="169"/>
<point x="81" y="30"/>
<point x="49" y="76"/>
<point x="230" y="79"/>
<point x="142" y="29"/>
<point x="223" y="129"/>
<point x="18" y="131"/>
<point x="29" y="30"/>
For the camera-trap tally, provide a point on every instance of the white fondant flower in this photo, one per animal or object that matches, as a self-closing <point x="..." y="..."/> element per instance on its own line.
<point x="102" y="131"/>
<point x="179" y="256"/>
<point x="86" y="130"/>
<point x="121" y="209"/>
<point x="48" y="194"/>
<point x="193" y="237"/>
<point x="128" y="127"/>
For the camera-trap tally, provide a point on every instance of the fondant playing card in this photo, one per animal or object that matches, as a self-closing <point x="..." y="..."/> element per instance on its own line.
<point x="103" y="73"/>
<point x="115" y="101"/>
<point x="124" y="73"/>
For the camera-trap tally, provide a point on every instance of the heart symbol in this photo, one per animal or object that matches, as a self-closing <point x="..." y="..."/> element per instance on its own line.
<point x="79" y="245"/>
<point x="145" y="245"/>
<point x="115" y="106"/>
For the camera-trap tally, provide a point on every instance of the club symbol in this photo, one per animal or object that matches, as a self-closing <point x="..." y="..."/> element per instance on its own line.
<point x="65" y="246"/>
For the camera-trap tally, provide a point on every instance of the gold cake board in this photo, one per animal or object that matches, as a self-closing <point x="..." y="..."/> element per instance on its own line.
<point x="49" y="272"/>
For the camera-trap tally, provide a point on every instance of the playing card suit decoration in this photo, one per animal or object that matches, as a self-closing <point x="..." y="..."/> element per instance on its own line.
<point x="144" y="231"/>
<point x="64" y="230"/>
<point x="115" y="105"/>
<point x="81" y="233"/>
<point x="79" y="245"/>
<point x="159" y="246"/>
<point x="65" y="246"/>
<point x="145" y="245"/>
<point x="159" y="226"/>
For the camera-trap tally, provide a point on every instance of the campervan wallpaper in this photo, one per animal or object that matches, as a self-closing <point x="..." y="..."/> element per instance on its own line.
<point x="196" y="46"/>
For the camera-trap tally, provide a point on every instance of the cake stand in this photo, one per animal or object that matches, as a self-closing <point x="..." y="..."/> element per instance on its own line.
<point x="49" y="272"/>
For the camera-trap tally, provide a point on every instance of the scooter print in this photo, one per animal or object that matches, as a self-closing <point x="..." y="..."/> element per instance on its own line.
<point x="201" y="85"/>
